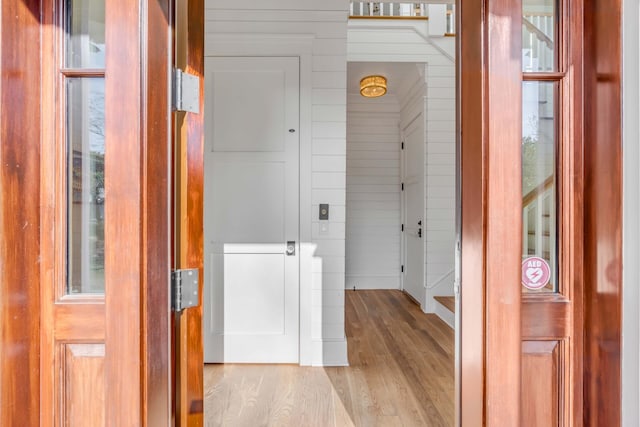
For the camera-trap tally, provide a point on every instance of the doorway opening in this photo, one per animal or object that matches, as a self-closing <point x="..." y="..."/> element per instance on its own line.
<point x="351" y="211"/>
<point x="328" y="222"/>
<point x="401" y="172"/>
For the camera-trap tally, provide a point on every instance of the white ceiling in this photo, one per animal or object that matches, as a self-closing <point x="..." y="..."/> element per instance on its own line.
<point x="395" y="72"/>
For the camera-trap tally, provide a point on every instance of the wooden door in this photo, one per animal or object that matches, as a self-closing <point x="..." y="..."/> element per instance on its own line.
<point x="251" y="210"/>
<point x="549" y="329"/>
<point x="104" y="214"/>
<point x="552" y="214"/>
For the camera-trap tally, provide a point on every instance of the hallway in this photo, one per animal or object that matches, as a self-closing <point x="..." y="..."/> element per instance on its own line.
<point x="401" y="374"/>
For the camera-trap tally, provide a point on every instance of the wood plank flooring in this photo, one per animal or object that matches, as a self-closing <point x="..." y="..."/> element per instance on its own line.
<point x="448" y="302"/>
<point x="400" y="374"/>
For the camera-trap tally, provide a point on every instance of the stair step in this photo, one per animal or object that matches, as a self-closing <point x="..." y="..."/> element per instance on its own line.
<point x="545" y="255"/>
<point x="544" y="234"/>
<point x="448" y="302"/>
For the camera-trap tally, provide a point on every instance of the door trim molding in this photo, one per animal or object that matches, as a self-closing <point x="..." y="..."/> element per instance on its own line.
<point x="301" y="46"/>
<point x="489" y="134"/>
<point x="22" y="139"/>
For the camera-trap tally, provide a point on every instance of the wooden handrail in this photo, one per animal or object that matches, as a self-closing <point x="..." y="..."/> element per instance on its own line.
<point x="533" y="194"/>
<point x="406" y="18"/>
<point x="376" y="10"/>
<point x="538" y="33"/>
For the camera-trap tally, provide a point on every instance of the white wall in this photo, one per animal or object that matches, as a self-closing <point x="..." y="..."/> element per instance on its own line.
<point x="322" y="26"/>
<point x="397" y="41"/>
<point x="373" y="193"/>
<point x="631" y="229"/>
<point x="440" y="169"/>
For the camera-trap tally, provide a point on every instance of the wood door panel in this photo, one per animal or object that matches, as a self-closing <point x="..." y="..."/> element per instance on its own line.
<point x="105" y="358"/>
<point x="545" y="319"/>
<point x="52" y="360"/>
<point x="541" y="391"/>
<point x="79" y="321"/>
<point x="552" y="323"/>
<point x="82" y="389"/>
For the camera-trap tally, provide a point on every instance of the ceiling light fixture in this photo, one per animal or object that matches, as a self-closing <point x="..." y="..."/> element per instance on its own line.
<point x="373" y="86"/>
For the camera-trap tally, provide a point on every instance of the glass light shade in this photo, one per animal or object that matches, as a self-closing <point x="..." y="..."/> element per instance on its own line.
<point x="373" y="86"/>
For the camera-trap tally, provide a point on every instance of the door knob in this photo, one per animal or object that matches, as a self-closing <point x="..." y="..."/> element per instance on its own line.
<point x="419" y="232"/>
<point x="420" y="223"/>
<point x="291" y="248"/>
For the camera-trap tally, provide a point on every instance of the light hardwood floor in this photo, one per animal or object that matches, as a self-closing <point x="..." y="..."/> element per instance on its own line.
<point x="400" y="374"/>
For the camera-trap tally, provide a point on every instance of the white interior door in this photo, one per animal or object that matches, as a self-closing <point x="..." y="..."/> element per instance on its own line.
<point x="251" y="210"/>
<point x="414" y="208"/>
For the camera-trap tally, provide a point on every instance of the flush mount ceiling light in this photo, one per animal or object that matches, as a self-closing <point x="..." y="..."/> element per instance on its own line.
<point x="373" y="86"/>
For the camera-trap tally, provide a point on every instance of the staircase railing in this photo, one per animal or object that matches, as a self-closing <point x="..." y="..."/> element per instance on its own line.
<point x="537" y="220"/>
<point x="386" y="10"/>
<point x="367" y="9"/>
<point x="540" y="28"/>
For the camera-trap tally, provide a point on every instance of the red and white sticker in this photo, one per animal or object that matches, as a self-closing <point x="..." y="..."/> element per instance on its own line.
<point x="535" y="273"/>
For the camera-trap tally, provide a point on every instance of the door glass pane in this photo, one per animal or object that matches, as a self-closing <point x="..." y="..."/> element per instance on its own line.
<point x="539" y="202"/>
<point x="85" y="34"/>
<point x="539" y="35"/>
<point x="85" y="181"/>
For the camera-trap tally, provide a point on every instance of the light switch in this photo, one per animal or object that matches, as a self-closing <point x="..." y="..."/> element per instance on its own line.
<point x="324" y="211"/>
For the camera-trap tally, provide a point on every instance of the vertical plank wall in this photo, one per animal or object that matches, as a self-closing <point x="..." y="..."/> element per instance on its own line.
<point x="326" y="23"/>
<point x="373" y="193"/>
<point x="440" y="170"/>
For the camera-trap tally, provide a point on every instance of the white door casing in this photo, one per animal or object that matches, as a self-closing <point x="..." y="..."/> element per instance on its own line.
<point x="413" y="199"/>
<point x="251" y="297"/>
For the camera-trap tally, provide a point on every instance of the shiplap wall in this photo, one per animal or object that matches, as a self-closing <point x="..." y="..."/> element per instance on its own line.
<point x="326" y="23"/>
<point x="440" y="181"/>
<point x="395" y="41"/>
<point x="373" y="193"/>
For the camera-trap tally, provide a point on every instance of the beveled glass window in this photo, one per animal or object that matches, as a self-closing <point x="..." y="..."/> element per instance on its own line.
<point x="84" y="119"/>
<point x="539" y="36"/>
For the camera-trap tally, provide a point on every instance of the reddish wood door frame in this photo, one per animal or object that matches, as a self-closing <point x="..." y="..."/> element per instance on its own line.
<point x="603" y="212"/>
<point x="489" y="76"/>
<point x="188" y="208"/>
<point x="20" y="95"/>
<point x="156" y="221"/>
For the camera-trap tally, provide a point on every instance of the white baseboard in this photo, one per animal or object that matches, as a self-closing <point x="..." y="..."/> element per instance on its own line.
<point x="442" y="312"/>
<point x="372" y="282"/>
<point x="330" y="353"/>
